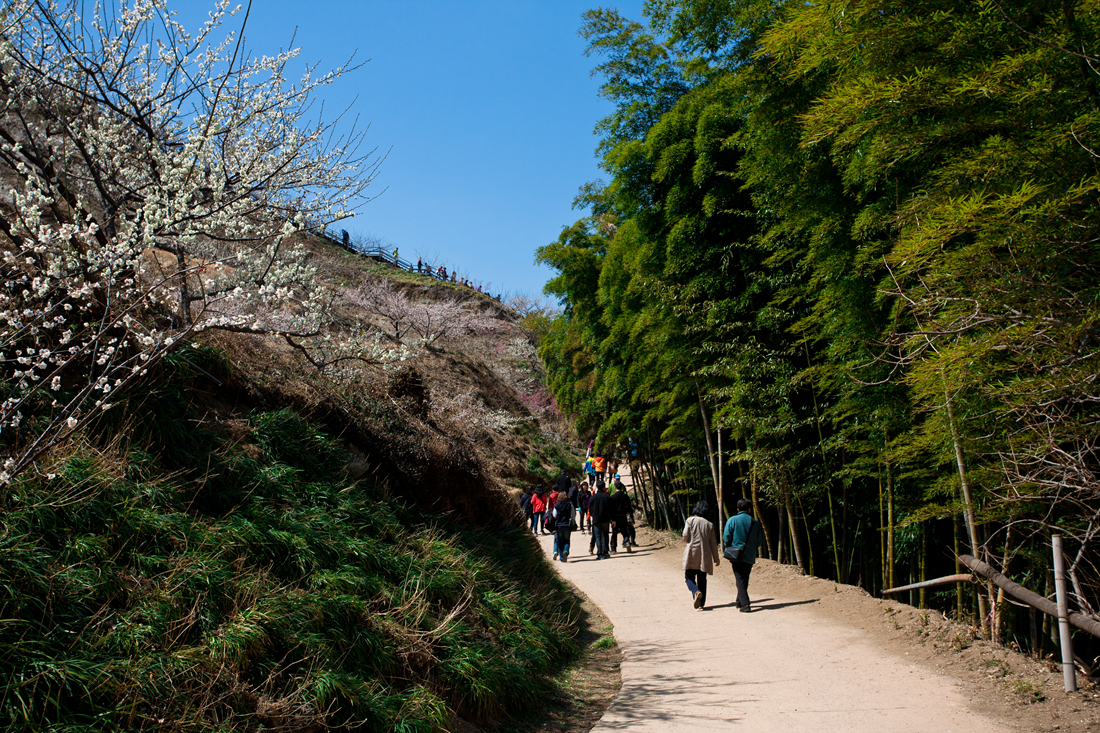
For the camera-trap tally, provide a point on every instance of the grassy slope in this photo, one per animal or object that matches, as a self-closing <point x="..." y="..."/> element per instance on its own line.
<point x="267" y="555"/>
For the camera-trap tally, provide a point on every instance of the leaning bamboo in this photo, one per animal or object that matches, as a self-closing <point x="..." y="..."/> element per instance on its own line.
<point x="1022" y="594"/>
<point x="946" y="580"/>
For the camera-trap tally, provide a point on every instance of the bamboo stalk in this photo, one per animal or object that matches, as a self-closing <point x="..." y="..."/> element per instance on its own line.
<point x="714" y="467"/>
<point x="945" y="580"/>
<point x="923" y="565"/>
<point x="1022" y="594"/>
<point x="889" y="514"/>
<point x="768" y="546"/>
<point x="964" y="487"/>
<point x="825" y="463"/>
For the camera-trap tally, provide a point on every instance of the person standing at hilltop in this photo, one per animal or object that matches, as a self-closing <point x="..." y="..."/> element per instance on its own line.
<point x="395" y="260"/>
<point x="741" y="537"/>
<point x="700" y="553"/>
<point x="420" y="264"/>
<point x="599" y="511"/>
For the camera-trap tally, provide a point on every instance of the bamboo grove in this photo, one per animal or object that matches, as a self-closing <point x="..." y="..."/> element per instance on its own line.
<point x="845" y="263"/>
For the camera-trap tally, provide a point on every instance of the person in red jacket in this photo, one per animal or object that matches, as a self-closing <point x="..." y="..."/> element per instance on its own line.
<point x="600" y="464"/>
<point x="538" y="509"/>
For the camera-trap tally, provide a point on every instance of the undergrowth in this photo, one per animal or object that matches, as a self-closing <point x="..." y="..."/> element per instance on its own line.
<point x="162" y="576"/>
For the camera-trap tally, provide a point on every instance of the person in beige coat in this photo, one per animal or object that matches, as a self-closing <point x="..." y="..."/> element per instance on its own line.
<point x="701" y="553"/>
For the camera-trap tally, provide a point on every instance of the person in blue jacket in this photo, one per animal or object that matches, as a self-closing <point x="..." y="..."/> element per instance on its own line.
<point x="744" y="532"/>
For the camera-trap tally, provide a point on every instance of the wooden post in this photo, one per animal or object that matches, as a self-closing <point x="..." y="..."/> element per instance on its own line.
<point x="1069" y="674"/>
<point x="1036" y="639"/>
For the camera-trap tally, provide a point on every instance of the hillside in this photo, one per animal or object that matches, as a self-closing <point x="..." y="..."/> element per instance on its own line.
<point x="248" y="542"/>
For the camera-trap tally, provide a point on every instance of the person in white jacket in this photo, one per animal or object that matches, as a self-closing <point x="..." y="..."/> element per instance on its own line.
<point x="701" y="553"/>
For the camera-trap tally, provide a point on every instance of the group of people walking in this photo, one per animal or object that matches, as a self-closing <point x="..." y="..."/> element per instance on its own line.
<point x="597" y="467"/>
<point x="570" y="506"/>
<point x="587" y="506"/>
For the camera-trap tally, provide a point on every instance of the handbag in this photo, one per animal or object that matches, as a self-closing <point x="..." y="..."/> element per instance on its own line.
<point x="734" y="554"/>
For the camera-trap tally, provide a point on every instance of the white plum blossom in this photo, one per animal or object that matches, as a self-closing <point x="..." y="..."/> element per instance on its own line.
<point x="155" y="184"/>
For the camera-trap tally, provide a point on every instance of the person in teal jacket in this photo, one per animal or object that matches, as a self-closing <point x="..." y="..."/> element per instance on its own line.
<point x="746" y="533"/>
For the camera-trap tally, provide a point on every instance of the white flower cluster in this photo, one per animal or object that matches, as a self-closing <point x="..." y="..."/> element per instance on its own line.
<point x="469" y="411"/>
<point x="152" y="185"/>
<point x="421" y="321"/>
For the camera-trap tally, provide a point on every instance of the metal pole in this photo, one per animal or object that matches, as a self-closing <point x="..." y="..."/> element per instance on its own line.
<point x="1069" y="674"/>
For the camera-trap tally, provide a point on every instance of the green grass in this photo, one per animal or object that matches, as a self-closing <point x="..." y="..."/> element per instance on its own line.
<point x="189" y="582"/>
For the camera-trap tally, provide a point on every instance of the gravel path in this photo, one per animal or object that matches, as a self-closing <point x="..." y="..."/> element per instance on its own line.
<point x="784" y="667"/>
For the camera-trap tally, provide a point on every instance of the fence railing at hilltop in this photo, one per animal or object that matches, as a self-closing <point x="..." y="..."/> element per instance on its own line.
<point x="387" y="256"/>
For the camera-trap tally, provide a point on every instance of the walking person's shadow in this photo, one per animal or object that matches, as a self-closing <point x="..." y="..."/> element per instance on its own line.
<point x="756" y="605"/>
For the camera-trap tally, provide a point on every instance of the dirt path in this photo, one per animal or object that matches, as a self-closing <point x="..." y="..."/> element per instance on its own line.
<point x="784" y="667"/>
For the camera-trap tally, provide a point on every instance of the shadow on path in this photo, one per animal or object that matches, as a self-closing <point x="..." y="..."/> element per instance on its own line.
<point x="673" y="696"/>
<point x="776" y="606"/>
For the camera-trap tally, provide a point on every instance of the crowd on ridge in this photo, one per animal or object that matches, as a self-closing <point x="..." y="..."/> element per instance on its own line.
<point x="439" y="272"/>
<point x="607" y="515"/>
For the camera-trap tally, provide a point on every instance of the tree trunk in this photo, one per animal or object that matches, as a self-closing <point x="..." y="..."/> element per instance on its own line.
<point x="923" y="563"/>
<point x="809" y="538"/>
<point x="847" y="539"/>
<point x="889" y="516"/>
<point x="792" y="521"/>
<point x="711" y="455"/>
<point x="828" y="473"/>
<point x="782" y="554"/>
<point x="721" y="480"/>
<point x="968" y="503"/>
<point x="641" y="491"/>
<point x="882" y="533"/>
<point x="660" y="494"/>
<point x="768" y="546"/>
<point x="959" y="610"/>
<point x="999" y="616"/>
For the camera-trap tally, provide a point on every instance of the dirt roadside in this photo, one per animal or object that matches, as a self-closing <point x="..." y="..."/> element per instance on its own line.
<point x="998" y="681"/>
<point x="814" y="655"/>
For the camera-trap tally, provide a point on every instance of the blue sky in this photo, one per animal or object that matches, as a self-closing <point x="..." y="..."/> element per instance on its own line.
<point x="486" y="109"/>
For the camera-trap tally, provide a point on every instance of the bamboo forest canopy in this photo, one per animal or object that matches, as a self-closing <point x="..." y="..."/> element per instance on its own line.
<point x="845" y="260"/>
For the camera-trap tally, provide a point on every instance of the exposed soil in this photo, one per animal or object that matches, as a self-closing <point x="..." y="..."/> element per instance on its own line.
<point x="1000" y="682"/>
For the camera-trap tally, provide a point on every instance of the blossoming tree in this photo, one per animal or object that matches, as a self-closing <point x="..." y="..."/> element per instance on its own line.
<point x="153" y="184"/>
